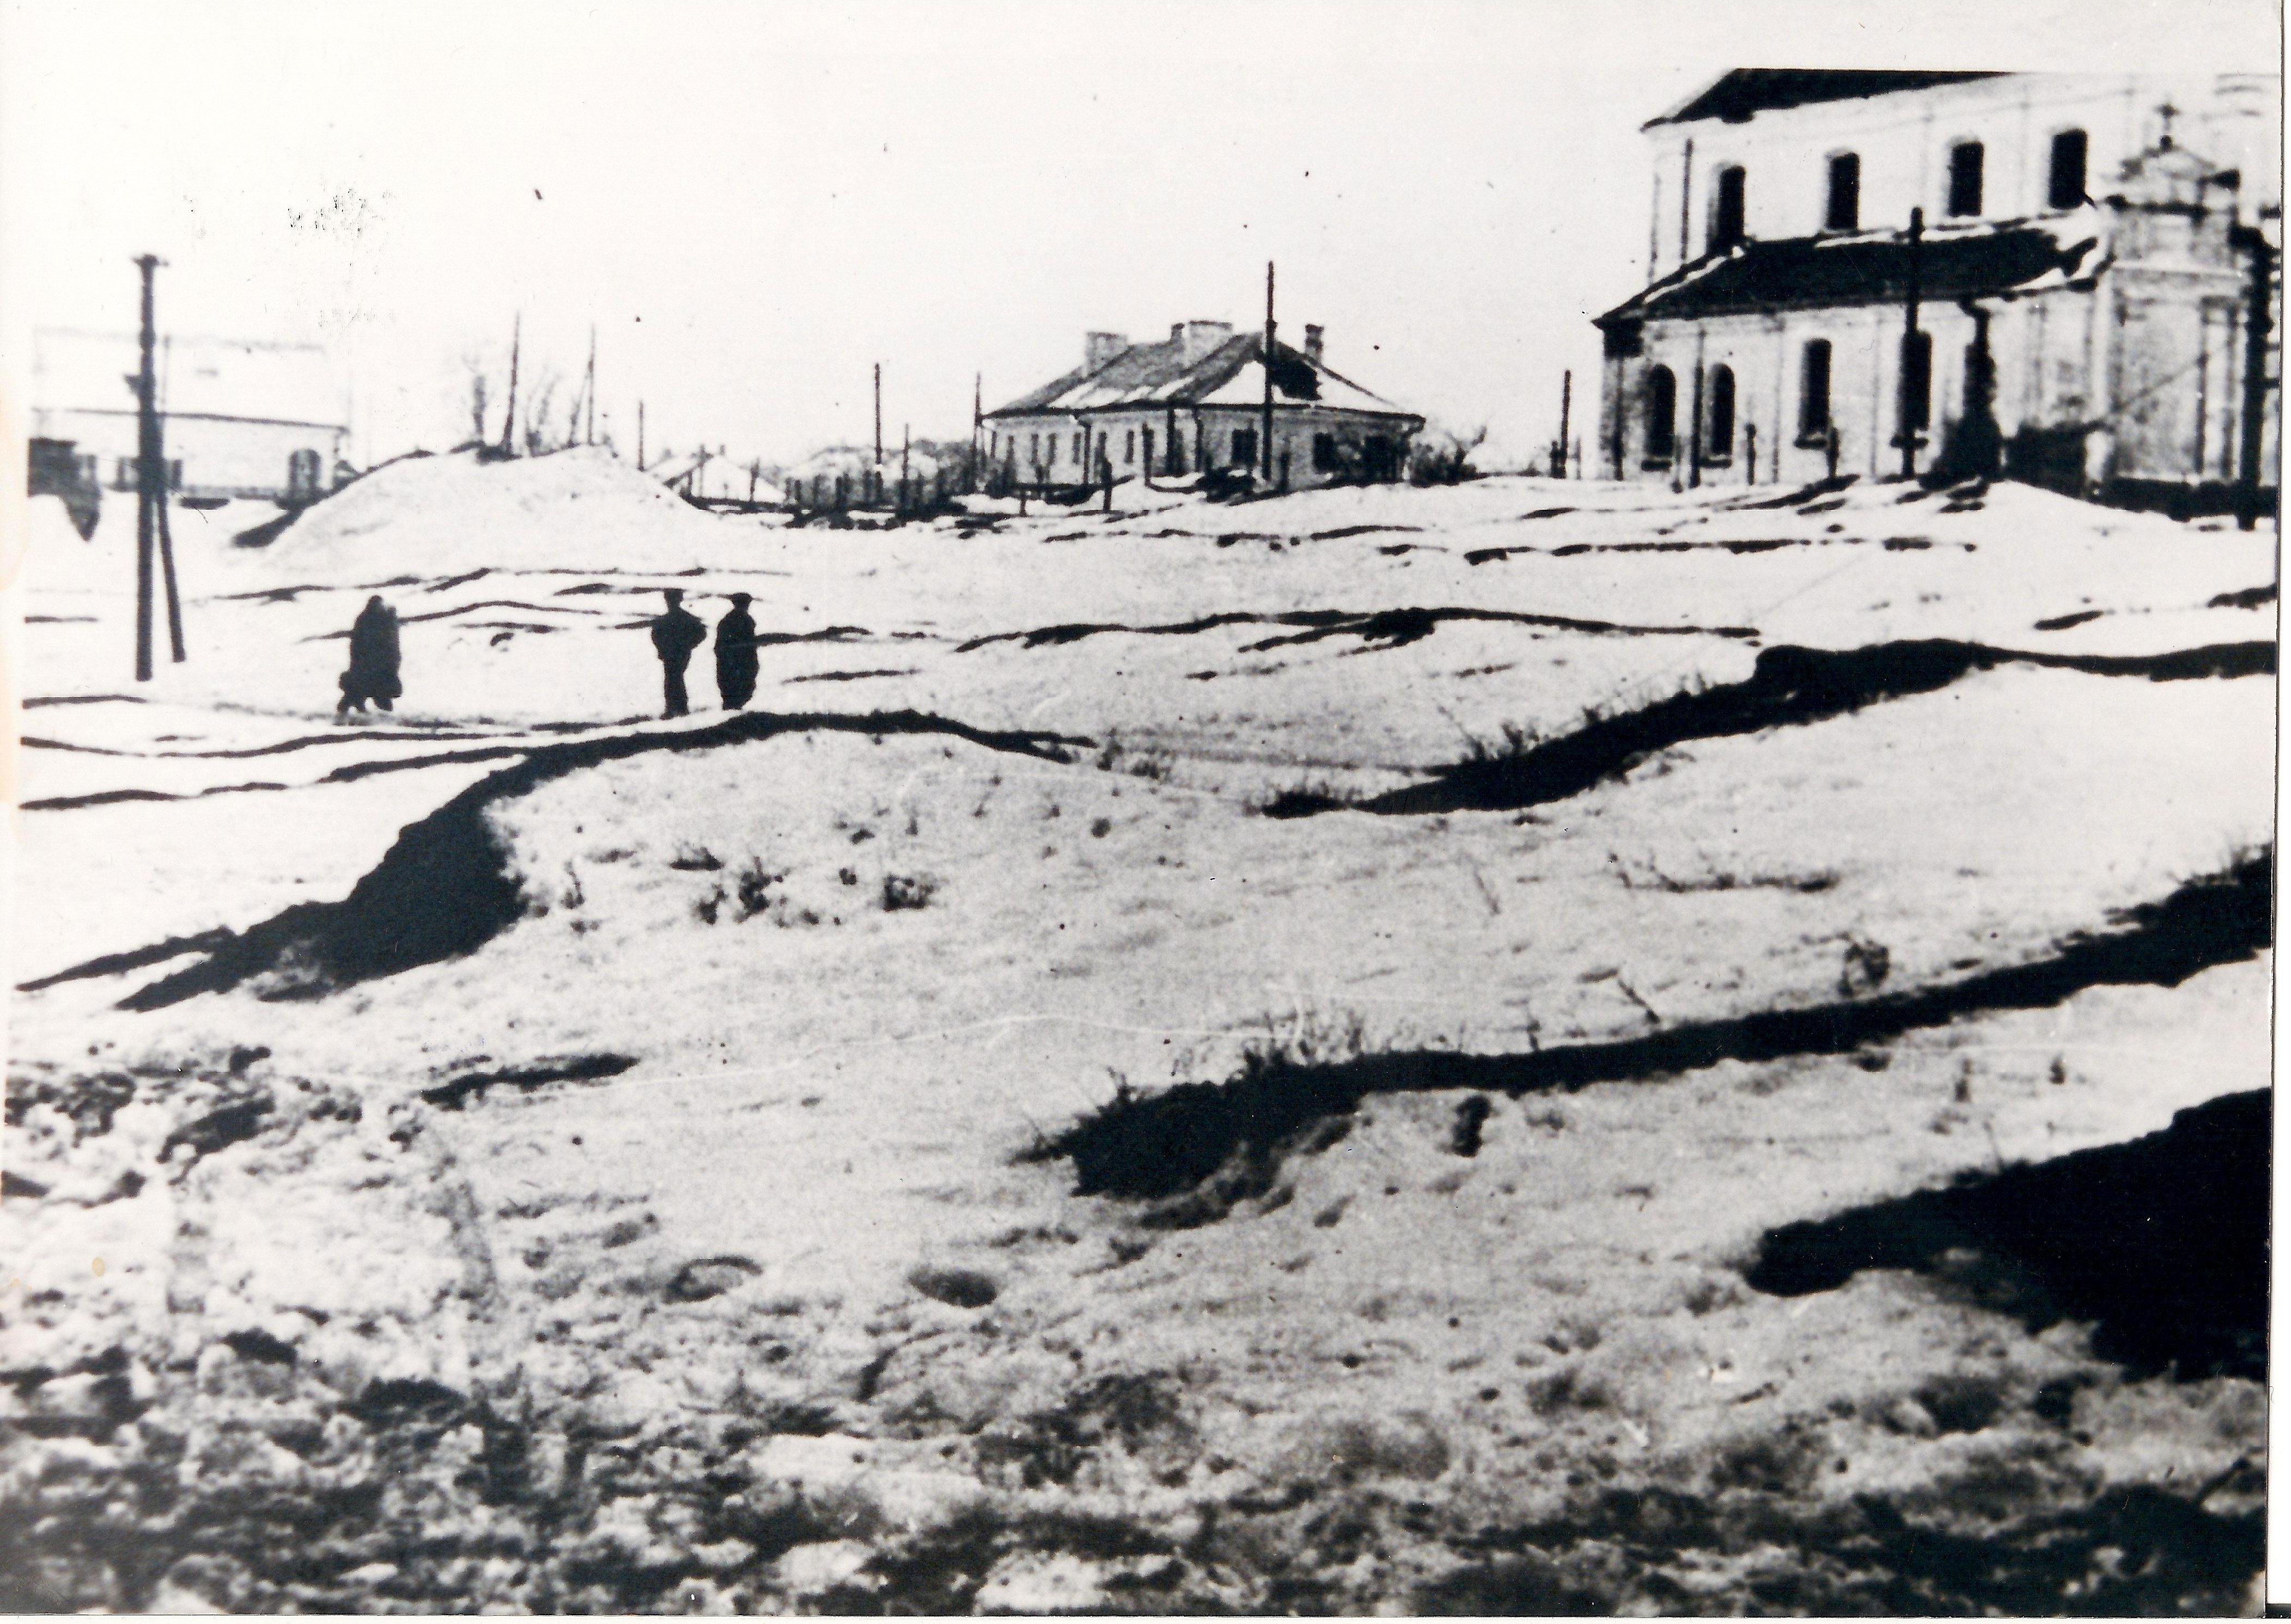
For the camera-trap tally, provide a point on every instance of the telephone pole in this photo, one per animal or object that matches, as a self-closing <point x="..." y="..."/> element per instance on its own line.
<point x="879" y="417"/>
<point x="1268" y="371"/>
<point x="590" y="387"/>
<point x="1566" y="400"/>
<point x="2259" y="320"/>
<point x="509" y="417"/>
<point x="151" y="532"/>
<point x="1913" y="362"/>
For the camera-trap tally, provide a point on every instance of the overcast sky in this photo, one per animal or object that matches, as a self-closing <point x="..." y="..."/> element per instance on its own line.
<point x="753" y="203"/>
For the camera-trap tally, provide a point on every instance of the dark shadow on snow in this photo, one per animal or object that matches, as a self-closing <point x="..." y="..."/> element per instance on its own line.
<point x="1790" y="687"/>
<point x="2162" y="1243"/>
<point x="443" y="889"/>
<point x="1385" y="628"/>
<point x="456" y="1093"/>
<point x="1216" y="1143"/>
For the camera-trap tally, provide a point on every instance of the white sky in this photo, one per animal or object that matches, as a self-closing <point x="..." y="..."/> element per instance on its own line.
<point x="754" y="202"/>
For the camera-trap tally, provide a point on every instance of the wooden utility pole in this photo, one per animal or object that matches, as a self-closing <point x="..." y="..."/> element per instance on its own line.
<point x="151" y="529"/>
<point x="977" y="424"/>
<point x="879" y="418"/>
<point x="1268" y="372"/>
<point x="1912" y="363"/>
<point x="905" y="441"/>
<point x="1566" y="400"/>
<point x="509" y="418"/>
<point x="147" y="475"/>
<point x="588" y="388"/>
<point x="640" y="437"/>
<point x="2258" y="322"/>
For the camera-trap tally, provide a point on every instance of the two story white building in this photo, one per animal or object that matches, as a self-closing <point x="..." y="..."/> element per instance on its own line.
<point x="2076" y="292"/>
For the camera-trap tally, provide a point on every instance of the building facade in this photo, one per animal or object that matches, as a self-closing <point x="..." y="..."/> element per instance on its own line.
<point x="1886" y="272"/>
<point x="241" y="418"/>
<point x="1195" y="405"/>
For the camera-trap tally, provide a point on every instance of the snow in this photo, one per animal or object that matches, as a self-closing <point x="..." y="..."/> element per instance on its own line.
<point x="840" y="1094"/>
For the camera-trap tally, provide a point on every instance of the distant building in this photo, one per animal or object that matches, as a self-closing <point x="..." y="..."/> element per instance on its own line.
<point x="241" y="417"/>
<point x="1193" y="404"/>
<point x="2083" y="280"/>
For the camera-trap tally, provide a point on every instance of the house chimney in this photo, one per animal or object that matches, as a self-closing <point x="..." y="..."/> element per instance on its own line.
<point x="1099" y="348"/>
<point x="1313" y="343"/>
<point x="1196" y="339"/>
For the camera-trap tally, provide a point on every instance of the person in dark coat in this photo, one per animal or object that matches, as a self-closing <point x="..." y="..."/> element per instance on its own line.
<point x="736" y="654"/>
<point x="373" y="674"/>
<point x="674" y="636"/>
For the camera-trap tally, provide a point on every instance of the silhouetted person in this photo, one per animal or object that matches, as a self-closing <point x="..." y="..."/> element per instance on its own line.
<point x="736" y="654"/>
<point x="373" y="674"/>
<point x="675" y="635"/>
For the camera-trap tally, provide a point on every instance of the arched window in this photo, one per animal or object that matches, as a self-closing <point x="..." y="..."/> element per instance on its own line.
<point x="1662" y="413"/>
<point x="1814" y="389"/>
<point x="2065" y="189"/>
<point x="1726" y="208"/>
<point x="1965" y="166"/>
<point x="1844" y="212"/>
<point x="1718" y="426"/>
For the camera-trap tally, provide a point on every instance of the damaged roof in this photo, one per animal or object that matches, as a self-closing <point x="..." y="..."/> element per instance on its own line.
<point x="1870" y="268"/>
<point x="1231" y="373"/>
<point x="1736" y="96"/>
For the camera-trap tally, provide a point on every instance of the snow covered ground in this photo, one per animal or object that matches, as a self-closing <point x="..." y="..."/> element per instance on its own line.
<point x="699" y="1220"/>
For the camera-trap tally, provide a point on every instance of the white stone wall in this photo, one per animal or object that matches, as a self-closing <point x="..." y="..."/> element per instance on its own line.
<point x="1903" y="140"/>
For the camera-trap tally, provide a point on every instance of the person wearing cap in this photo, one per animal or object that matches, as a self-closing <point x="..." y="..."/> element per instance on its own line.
<point x="736" y="654"/>
<point x="674" y="636"/>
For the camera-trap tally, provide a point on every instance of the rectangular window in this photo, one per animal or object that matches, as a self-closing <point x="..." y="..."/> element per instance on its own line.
<point x="1916" y="380"/>
<point x="1726" y="217"/>
<point x="1814" y="389"/>
<point x="2065" y="187"/>
<point x="1035" y="449"/>
<point x="1964" y="163"/>
<point x="1244" y="447"/>
<point x="1845" y="210"/>
<point x="1324" y="454"/>
<point x="1128" y="447"/>
<point x="1078" y="456"/>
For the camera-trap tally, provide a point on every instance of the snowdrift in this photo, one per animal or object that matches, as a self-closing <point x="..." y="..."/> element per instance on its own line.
<point x="582" y="509"/>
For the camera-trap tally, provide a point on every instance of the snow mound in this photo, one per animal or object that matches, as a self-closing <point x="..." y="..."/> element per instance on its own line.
<point x="50" y="558"/>
<point x="582" y="509"/>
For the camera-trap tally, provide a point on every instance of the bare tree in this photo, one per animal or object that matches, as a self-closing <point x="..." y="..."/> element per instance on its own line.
<point x="537" y="426"/>
<point x="479" y="373"/>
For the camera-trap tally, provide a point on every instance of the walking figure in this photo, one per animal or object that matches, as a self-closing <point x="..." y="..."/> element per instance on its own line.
<point x="674" y="636"/>
<point x="736" y="654"/>
<point x="373" y="672"/>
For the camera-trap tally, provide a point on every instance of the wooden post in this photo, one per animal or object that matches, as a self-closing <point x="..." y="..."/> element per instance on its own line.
<point x="2258" y="321"/>
<point x="509" y="418"/>
<point x="878" y="416"/>
<point x="1566" y="400"/>
<point x="588" y="388"/>
<point x="906" y="442"/>
<point x="1268" y="374"/>
<point x="1903" y="414"/>
<point x="151" y="477"/>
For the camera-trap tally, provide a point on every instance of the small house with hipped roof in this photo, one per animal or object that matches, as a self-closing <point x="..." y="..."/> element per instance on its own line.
<point x="1196" y="403"/>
